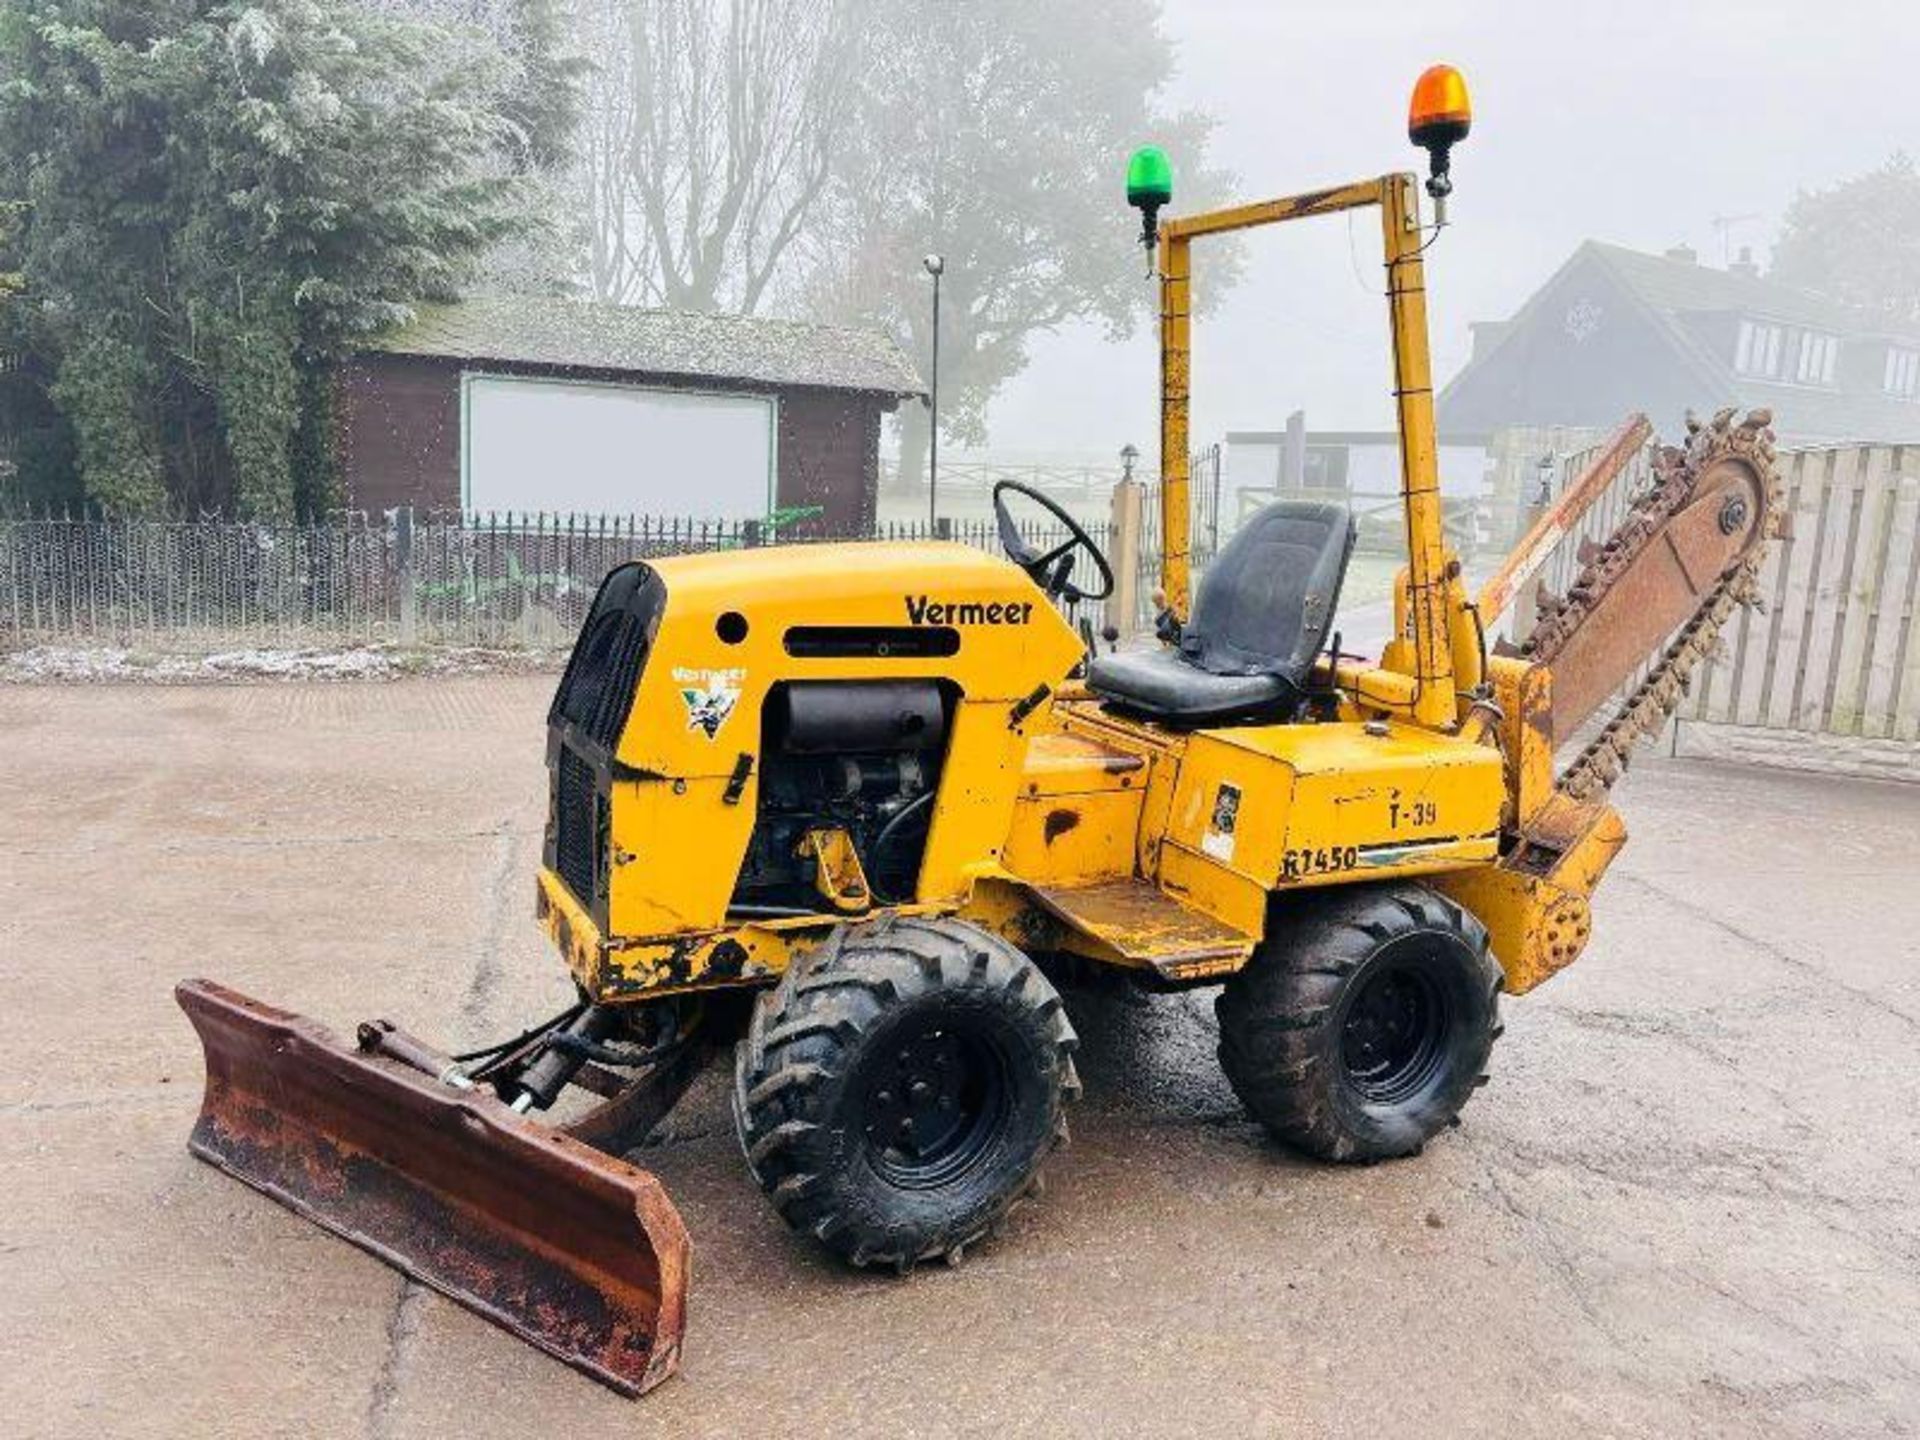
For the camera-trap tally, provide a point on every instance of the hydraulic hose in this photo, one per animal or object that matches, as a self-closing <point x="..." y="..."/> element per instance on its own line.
<point x="541" y="1082"/>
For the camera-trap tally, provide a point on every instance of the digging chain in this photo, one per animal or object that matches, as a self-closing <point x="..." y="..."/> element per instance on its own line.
<point x="1677" y="472"/>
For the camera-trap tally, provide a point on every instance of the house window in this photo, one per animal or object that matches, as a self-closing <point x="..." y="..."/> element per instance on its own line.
<point x="1758" y="352"/>
<point x="1815" y="363"/>
<point x="1903" y="372"/>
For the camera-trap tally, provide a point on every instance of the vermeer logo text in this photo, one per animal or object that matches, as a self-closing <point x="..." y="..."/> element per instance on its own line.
<point x="925" y="610"/>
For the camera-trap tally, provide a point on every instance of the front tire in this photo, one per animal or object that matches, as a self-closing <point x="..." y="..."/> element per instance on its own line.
<point x="1363" y="1022"/>
<point x="898" y="1090"/>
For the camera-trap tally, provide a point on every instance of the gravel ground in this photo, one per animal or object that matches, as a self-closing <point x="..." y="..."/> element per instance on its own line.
<point x="1689" y="1202"/>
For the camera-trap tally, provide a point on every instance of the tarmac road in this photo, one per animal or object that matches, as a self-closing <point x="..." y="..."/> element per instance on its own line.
<point x="1688" y="1203"/>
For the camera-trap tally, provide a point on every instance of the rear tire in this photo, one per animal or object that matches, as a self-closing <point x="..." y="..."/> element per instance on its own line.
<point x="1363" y="1022"/>
<point x="898" y="1090"/>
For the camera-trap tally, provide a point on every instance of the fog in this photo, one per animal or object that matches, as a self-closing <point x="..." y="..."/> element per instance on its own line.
<point x="1636" y="122"/>
<point x="799" y="160"/>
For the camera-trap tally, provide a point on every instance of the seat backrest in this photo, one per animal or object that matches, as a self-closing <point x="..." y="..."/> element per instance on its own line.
<point x="1265" y="604"/>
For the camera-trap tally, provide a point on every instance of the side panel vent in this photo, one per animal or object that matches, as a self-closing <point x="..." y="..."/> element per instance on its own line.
<point x="580" y="825"/>
<point x="597" y="690"/>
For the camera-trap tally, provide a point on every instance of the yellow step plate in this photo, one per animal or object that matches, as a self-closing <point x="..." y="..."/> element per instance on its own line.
<point x="1143" y="925"/>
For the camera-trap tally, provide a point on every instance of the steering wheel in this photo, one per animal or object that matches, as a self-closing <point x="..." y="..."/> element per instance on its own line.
<point x="1052" y="570"/>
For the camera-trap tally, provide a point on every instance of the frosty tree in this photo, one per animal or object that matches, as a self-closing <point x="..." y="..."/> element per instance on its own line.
<point x="1859" y="241"/>
<point x="995" y="134"/>
<point x="712" y="134"/>
<point x="210" y="202"/>
<point x="802" y="155"/>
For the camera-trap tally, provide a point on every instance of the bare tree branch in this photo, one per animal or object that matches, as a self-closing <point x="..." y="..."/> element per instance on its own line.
<point x="713" y="131"/>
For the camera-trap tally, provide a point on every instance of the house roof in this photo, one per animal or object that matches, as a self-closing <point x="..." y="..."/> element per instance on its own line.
<point x="579" y="334"/>
<point x="1678" y="286"/>
<point x="1673" y="291"/>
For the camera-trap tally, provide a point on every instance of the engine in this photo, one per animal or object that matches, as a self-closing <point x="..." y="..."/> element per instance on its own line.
<point x="859" y="756"/>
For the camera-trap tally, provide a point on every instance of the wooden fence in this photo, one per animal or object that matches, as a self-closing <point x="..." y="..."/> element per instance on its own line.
<point x="1836" y="653"/>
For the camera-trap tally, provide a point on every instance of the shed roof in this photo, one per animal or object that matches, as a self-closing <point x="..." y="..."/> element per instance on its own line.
<point x="580" y="334"/>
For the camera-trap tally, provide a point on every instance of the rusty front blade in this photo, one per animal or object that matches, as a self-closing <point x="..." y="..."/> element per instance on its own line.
<point x="574" y="1251"/>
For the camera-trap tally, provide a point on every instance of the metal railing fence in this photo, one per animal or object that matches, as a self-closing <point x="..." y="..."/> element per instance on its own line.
<point x="407" y="579"/>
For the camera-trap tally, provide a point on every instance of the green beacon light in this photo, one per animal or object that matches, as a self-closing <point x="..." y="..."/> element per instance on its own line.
<point x="1149" y="186"/>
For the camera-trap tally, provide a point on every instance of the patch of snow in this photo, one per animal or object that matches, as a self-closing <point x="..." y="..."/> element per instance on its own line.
<point x="61" y="664"/>
<point x="303" y="664"/>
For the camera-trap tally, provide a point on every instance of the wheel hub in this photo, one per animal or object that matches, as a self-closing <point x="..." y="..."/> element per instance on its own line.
<point x="935" y="1104"/>
<point x="1395" y="1034"/>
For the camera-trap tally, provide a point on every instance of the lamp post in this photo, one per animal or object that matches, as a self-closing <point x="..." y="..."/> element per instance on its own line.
<point x="1128" y="454"/>
<point x="935" y="266"/>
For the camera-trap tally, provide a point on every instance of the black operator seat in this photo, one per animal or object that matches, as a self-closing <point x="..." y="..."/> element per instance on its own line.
<point x="1260" y="616"/>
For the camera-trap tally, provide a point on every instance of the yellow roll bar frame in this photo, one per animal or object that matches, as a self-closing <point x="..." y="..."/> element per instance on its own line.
<point x="1426" y="693"/>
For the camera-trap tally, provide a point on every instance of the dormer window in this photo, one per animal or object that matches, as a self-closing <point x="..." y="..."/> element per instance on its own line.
<point x="1758" y="352"/>
<point x="1815" y="363"/>
<point x="1775" y="352"/>
<point x="1903" y="372"/>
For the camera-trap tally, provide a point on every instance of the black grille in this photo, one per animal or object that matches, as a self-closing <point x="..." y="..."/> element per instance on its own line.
<point x="579" y="825"/>
<point x="597" y="691"/>
<point x="589" y="711"/>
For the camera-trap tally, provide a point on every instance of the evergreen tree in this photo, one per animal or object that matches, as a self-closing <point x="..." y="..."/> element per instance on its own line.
<point x="213" y="201"/>
<point x="549" y="72"/>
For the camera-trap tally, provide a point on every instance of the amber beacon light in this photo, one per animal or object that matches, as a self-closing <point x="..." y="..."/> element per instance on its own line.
<point x="1437" y="120"/>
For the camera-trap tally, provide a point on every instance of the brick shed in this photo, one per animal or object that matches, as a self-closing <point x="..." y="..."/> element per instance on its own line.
<point x="530" y="404"/>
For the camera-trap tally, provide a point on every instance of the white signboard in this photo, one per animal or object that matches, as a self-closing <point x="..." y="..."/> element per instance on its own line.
<point x="568" y="446"/>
